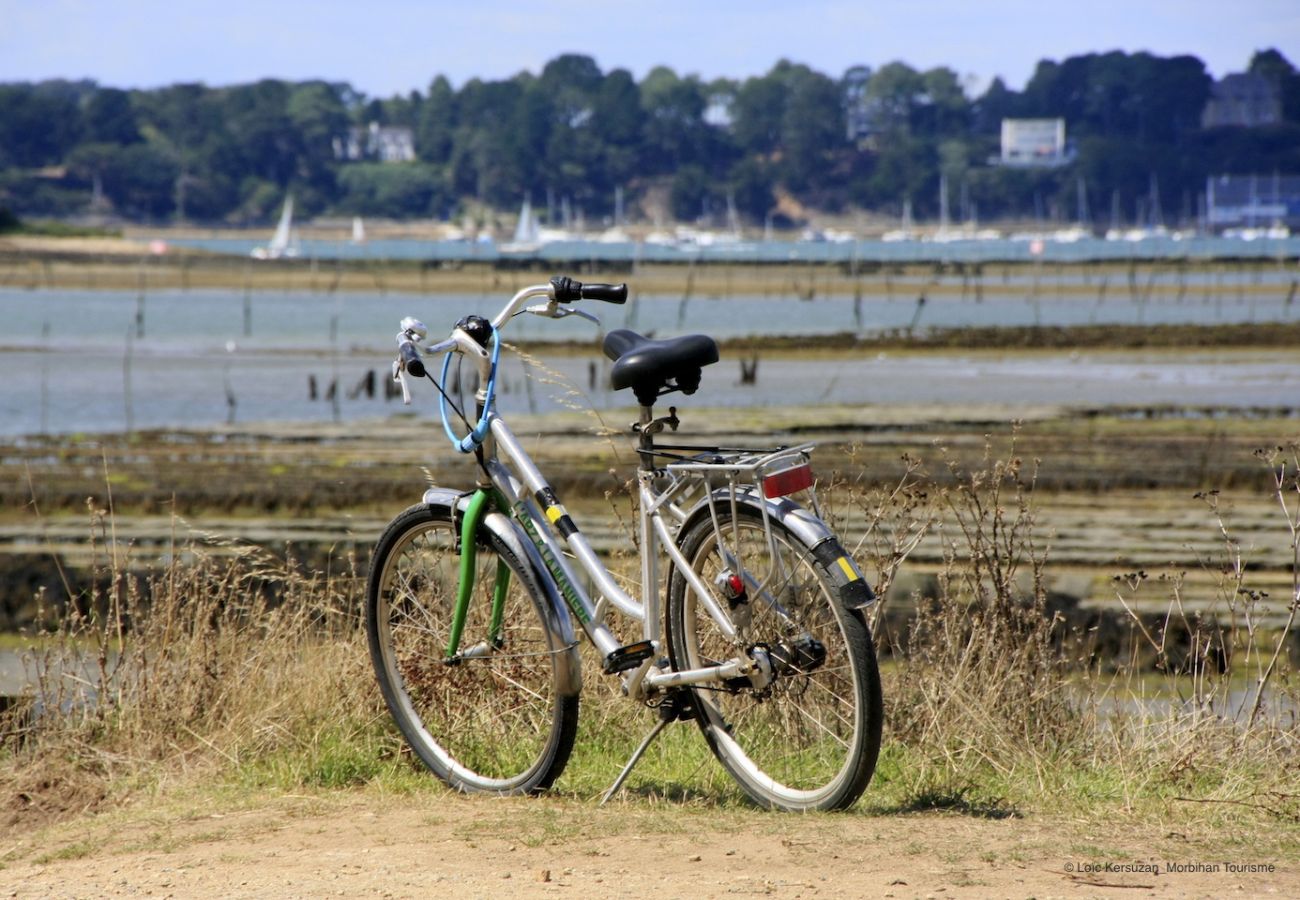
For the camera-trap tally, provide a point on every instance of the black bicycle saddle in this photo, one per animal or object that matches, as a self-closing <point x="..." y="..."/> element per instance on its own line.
<point x="651" y="367"/>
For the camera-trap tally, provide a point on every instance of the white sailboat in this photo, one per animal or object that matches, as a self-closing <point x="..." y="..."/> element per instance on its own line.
<point x="527" y="236"/>
<point x="282" y="242"/>
<point x="907" y="231"/>
<point x="616" y="233"/>
<point x="358" y="230"/>
<point x="944" y="234"/>
<point x="1080" y="230"/>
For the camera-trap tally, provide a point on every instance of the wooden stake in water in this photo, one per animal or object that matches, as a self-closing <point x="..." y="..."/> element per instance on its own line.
<point x="916" y="316"/>
<point x="140" y="283"/>
<point x="686" y="295"/>
<point x="231" y="401"/>
<point x="334" y="342"/>
<point x="126" y="383"/>
<point x="44" y="376"/>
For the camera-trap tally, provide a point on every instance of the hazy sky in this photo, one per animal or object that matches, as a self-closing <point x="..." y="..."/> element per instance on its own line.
<point x="384" y="47"/>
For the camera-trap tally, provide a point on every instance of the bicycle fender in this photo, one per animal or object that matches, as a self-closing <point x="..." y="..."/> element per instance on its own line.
<point x="559" y="625"/>
<point x="854" y="590"/>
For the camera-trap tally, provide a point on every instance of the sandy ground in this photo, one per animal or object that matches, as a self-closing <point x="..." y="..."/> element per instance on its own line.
<point x="351" y="844"/>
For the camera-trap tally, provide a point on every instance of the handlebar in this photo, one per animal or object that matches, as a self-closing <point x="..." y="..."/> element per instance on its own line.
<point x="471" y="335"/>
<point x="560" y="289"/>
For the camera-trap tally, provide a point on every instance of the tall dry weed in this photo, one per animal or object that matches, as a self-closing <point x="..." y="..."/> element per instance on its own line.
<point x="979" y="686"/>
<point x="1002" y="692"/>
<point x="202" y="655"/>
<point x="1224" y="715"/>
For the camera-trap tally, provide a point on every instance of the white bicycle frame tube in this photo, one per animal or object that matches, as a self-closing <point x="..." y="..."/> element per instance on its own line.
<point x="653" y="531"/>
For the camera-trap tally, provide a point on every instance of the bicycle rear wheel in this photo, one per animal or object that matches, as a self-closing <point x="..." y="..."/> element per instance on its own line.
<point x="495" y="720"/>
<point x="809" y="740"/>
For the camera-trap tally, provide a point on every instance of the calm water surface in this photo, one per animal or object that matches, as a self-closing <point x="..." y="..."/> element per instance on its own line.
<point x="83" y="361"/>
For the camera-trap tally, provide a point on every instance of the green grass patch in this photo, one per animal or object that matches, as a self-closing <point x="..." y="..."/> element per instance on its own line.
<point x="345" y="755"/>
<point x="52" y="228"/>
<point x="68" y="852"/>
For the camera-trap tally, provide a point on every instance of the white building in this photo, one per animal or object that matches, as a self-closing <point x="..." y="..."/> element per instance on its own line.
<point x="1034" y="142"/>
<point x="380" y="143"/>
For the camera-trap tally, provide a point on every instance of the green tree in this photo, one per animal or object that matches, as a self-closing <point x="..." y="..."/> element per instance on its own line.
<point x="486" y="160"/>
<point x="315" y="112"/>
<point x="1117" y="94"/>
<point x="894" y="91"/>
<point x="139" y="179"/>
<point x="758" y="111"/>
<point x="435" y="126"/>
<point x="188" y="117"/>
<point x="997" y="103"/>
<point x="812" y="127"/>
<point x="617" y="116"/>
<point x="674" y="131"/>
<point x="750" y="183"/>
<point x="941" y="109"/>
<point x="558" y="112"/>
<point x="393" y="189"/>
<point x="110" y="118"/>
<point x="690" y="192"/>
<point x="903" y="169"/>
<point x="39" y="124"/>
<point x="1279" y="70"/>
<point x="256" y="118"/>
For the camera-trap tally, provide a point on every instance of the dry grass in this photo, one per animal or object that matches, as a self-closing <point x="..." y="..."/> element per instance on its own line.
<point x="1002" y="699"/>
<point x="206" y="658"/>
<point x="227" y="664"/>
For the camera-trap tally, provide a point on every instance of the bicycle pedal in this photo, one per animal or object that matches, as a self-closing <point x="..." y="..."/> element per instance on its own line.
<point x="628" y="657"/>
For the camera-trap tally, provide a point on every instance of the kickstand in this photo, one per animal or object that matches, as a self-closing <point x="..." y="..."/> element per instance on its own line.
<point x="670" y="711"/>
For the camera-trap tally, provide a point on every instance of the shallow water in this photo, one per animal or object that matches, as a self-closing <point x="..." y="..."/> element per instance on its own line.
<point x="89" y="361"/>
<point x="1202" y="247"/>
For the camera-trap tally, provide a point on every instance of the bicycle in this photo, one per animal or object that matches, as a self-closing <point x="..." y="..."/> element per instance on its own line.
<point x="760" y="637"/>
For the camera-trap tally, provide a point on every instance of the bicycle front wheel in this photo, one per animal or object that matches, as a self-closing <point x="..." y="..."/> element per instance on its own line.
<point x="494" y="718"/>
<point x="809" y="739"/>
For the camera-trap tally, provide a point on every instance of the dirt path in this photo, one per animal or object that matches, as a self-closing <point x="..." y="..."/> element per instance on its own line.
<point x="433" y="844"/>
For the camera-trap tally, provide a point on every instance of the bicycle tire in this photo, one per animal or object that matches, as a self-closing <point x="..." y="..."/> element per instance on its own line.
<point x="498" y="723"/>
<point x="810" y="739"/>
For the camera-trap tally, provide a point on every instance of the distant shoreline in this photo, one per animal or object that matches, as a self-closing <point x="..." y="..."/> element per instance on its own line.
<point x="131" y="263"/>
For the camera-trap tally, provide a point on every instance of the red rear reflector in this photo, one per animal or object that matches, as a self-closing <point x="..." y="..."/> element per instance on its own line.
<point x="787" y="481"/>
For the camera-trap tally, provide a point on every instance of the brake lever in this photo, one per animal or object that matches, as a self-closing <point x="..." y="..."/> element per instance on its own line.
<point x="401" y="377"/>
<point x="580" y="312"/>
<point x="553" y="310"/>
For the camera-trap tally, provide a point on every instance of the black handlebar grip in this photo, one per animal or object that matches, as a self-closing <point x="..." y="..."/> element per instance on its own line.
<point x="610" y="293"/>
<point x="567" y="290"/>
<point x="411" y="358"/>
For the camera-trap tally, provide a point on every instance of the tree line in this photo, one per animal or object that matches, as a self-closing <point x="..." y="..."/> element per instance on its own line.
<point x="672" y="147"/>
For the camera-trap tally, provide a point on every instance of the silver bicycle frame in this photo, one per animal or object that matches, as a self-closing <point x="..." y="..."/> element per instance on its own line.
<point x="733" y="476"/>
<point x="661" y="514"/>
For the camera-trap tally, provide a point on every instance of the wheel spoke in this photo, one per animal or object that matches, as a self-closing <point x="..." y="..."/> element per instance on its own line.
<point x="802" y="742"/>
<point x="489" y="722"/>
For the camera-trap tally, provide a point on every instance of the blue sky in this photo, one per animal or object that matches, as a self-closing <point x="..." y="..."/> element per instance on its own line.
<point x="384" y="47"/>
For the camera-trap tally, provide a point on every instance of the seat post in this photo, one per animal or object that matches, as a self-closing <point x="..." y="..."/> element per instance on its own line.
<point x="647" y="439"/>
